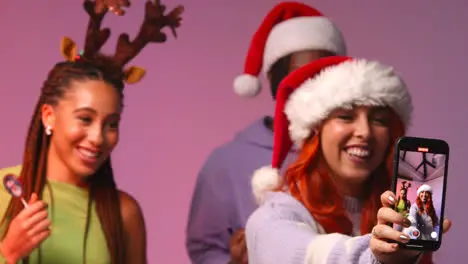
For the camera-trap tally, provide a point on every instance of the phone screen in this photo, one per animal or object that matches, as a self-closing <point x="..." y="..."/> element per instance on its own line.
<point x="419" y="186"/>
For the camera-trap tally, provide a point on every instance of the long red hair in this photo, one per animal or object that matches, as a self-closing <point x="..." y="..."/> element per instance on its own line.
<point x="428" y="207"/>
<point x="308" y="180"/>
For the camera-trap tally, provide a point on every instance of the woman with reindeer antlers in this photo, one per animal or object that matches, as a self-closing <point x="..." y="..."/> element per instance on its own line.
<point x="75" y="213"/>
<point x="402" y="204"/>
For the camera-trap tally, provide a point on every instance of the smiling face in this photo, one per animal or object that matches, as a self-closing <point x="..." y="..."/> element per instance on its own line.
<point x="424" y="196"/>
<point x="403" y="194"/>
<point x="85" y="127"/>
<point x="354" y="143"/>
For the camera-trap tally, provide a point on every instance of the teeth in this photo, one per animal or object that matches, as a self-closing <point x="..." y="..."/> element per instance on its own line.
<point x="358" y="152"/>
<point x="88" y="153"/>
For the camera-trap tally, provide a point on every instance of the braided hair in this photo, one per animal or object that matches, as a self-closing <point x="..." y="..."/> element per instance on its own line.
<point x="92" y="65"/>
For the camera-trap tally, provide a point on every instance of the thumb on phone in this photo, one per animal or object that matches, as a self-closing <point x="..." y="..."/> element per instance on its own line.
<point x="447" y="224"/>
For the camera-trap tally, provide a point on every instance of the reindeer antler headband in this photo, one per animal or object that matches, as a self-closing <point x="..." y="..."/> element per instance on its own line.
<point x="405" y="185"/>
<point x="150" y="31"/>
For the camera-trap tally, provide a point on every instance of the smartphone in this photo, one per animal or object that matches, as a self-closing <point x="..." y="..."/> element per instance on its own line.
<point x="419" y="183"/>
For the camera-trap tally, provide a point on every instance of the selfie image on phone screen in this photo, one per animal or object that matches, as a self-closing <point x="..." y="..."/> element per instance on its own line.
<point x="419" y="193"/>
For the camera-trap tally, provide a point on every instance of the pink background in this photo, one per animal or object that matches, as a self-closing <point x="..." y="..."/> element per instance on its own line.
<point x="185" y="106"/>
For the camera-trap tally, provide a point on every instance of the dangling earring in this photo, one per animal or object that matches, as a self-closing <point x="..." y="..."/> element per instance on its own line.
<point x="48" y="130"/>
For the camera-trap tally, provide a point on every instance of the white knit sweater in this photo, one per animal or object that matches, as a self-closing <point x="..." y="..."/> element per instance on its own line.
<point x="282" y="231"/>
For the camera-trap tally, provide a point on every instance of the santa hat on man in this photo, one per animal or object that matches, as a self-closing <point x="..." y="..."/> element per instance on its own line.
<point x="289" y="27"/>
<point x="309" y="94"/>
<point x="424" y="188"/>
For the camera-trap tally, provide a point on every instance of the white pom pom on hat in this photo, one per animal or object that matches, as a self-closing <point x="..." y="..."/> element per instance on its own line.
<point x="247" y="85"/>
<point x="264" y="180"/>
<point x="289" y="27"/>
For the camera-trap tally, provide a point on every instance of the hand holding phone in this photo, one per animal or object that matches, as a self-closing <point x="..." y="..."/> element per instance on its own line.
<point x="419" y="183"/>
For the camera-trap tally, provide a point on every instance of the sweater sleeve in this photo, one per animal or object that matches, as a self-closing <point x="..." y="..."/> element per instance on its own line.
<point x="282" y="231"/>
<point x="208" y="225"/>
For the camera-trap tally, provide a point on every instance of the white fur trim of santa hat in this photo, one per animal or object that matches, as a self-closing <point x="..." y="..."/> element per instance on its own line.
<point x="264" y="180"/>
<point x="424" y="188"/>
<point x="353" y="82"/>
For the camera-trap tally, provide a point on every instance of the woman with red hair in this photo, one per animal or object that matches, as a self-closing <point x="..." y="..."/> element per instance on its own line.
<point x="423" y="215"/>
<point x="344" y="115"/>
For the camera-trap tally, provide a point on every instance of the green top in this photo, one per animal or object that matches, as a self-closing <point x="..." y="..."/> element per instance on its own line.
<point x="402" y="208"/>
<point x="68" y="215"/>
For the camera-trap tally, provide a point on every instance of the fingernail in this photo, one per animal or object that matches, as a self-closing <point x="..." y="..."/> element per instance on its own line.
<point x="391" y="199"/>
<point x="395" y="246"/>
<point x="406" y="222"/>
<point x="404" y="238"/>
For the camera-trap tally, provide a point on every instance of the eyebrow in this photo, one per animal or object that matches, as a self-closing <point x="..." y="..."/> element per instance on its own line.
<point x="380" y="110"/>
<point x="89" y="109"/>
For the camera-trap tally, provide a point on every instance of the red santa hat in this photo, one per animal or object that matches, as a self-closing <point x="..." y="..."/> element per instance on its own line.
<point x="309" y="94"/>
<point x="289" y="27"/>
<point x="424" y="188"/>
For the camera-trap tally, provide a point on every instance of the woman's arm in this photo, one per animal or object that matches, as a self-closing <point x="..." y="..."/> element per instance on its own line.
<point x="282" y="231"/>
<point x="135" y="230"/>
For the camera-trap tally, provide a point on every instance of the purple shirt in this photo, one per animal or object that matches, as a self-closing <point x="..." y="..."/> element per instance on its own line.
<point x="223" y="199"/>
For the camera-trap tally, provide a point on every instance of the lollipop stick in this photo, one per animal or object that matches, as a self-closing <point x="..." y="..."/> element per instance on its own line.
<point x="24" y="203"/>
